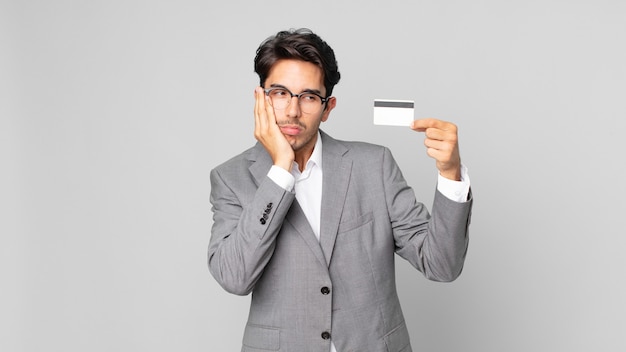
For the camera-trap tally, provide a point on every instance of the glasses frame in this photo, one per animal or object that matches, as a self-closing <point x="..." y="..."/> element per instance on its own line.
<point x="269" y="90"/>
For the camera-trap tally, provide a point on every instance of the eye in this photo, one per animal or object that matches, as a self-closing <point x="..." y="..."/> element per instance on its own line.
<point x="279" y="93"/>
<point x="309" y="98"/>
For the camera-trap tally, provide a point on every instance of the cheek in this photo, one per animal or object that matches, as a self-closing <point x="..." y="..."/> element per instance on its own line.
<point x="313" y="124"/>
<point x="280" y="116"/>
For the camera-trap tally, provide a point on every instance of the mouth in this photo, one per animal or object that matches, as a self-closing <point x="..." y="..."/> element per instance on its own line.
<point x="291" y="130"/>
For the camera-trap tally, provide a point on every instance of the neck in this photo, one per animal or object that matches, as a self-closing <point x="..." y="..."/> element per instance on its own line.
<point x="302" y="157"/>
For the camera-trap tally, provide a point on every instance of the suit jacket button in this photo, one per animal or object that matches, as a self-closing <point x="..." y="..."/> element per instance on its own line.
<point x="262" y="221"/>
<point x="325" y="290"/>
<point x="326" y="335"/>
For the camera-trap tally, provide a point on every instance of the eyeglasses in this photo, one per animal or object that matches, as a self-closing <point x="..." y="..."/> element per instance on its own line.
<point x="281" y="98"/>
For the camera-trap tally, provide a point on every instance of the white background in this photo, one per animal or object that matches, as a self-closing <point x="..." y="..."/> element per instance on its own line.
<point x="114" y="112"/>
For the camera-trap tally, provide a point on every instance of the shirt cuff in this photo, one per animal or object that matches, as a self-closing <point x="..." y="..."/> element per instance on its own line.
<point x="457" y="191"/>
<point x="282" y="177"/>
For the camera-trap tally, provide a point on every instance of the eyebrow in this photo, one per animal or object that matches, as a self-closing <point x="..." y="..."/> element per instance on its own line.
<point x="307" y="90"/>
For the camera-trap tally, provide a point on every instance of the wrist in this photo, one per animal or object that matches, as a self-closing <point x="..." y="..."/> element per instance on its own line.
<point x="284" y="164"/>
<point x="454" y="175"/>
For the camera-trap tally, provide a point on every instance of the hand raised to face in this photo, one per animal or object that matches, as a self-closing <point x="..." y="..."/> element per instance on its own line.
<point x="269" y="134"/>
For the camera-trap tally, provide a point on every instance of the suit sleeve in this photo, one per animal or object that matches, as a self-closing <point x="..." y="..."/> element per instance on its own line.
<point x="434" y="244"/>
<point x="244" y="231"/>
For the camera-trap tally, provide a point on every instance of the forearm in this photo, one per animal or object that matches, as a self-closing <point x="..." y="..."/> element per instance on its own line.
<point x="434" y="243"/>
<point x="243" y="236"/>
<point x="445" y="246"/>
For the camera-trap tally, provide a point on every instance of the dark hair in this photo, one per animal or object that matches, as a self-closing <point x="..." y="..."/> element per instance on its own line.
<point x="299" y="44"/>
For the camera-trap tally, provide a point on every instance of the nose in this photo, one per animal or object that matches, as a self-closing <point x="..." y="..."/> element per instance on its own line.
<point x="293" y="109"/>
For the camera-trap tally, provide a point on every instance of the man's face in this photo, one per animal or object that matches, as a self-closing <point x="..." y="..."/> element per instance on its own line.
<point x="300" y="128"/>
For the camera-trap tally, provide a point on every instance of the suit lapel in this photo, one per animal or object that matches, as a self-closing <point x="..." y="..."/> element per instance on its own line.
<point x="297" y="219"/>
<point x="336" y="176"/>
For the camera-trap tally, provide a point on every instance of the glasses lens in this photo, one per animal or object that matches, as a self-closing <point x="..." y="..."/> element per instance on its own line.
<point x="310" y="102"/>
<point x="281" y="98"/>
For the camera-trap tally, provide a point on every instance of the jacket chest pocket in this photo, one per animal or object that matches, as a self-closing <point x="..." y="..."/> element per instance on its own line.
<point x="352" y="223"/>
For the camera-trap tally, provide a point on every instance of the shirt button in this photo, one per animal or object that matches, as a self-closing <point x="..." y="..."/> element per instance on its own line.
<point x="326" y="335"/>
<point x="325" y="290"/>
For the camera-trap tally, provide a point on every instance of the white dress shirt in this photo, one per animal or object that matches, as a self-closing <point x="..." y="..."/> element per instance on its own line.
<point x="308" y="187"/>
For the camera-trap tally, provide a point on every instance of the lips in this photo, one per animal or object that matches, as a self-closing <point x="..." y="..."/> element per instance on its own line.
<point x="290" y="130"/>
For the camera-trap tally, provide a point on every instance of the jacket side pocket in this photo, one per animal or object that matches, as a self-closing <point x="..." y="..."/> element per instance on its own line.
<point x="397" y="340"/>
<point x="261" y="337"/>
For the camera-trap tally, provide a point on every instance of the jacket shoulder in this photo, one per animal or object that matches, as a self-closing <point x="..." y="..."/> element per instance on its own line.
<point x="236" y="163"/>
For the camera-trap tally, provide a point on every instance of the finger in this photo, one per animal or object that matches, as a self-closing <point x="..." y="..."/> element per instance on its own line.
<point x="439" y="155"/>
<point x="433" y="153"/>
<point x="441" y="135"/>
<point x="262" y="121"/>
<point x="440" y="150"/>
<point x="259" y="108"/>
<point x="435" y="133"/>
<point x="266" y="127"/>
<point x="269" y="110"/>
<point x="438" y="145"/>
<point x="265" y="108"/>
<point x="421" y="125"/>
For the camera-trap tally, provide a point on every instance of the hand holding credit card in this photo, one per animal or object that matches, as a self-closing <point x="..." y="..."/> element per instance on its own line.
<point x="393" y="112"/>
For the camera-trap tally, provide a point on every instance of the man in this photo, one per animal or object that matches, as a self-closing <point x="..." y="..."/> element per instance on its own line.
<point x="310" y="224"/>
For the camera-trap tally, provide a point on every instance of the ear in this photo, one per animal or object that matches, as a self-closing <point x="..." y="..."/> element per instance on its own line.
<point x="330" y="105"/>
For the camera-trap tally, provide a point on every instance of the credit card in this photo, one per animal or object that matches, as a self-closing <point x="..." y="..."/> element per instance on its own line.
<point x="393" y="112"/>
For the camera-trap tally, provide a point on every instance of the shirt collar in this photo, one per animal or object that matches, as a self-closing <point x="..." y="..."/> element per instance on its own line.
<point x="316" y="156"/>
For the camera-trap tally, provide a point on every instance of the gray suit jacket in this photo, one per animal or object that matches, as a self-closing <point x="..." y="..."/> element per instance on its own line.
<point x="305" y="292"/>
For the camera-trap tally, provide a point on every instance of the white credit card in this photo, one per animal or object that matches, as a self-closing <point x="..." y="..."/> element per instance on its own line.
<point x="393" y="112"/>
